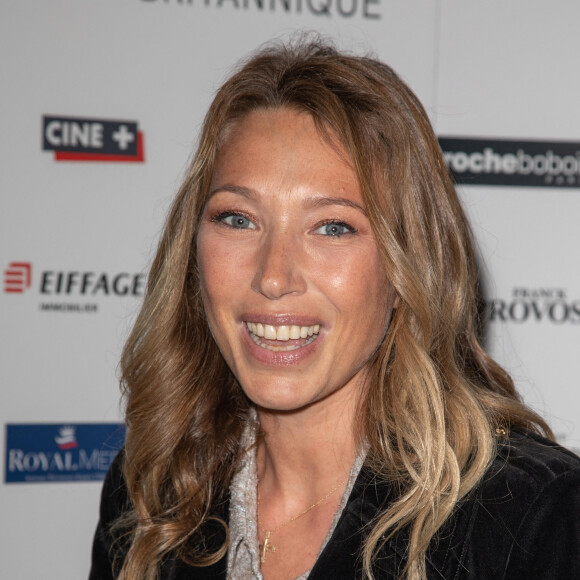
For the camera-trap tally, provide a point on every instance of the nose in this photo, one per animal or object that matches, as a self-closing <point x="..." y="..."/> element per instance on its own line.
<point x="279" y="270"/>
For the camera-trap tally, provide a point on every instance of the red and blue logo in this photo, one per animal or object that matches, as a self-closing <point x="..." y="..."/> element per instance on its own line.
<point x="66" y="438"/>
<point x="45" y="452"/>
<point x="84" y="139"/>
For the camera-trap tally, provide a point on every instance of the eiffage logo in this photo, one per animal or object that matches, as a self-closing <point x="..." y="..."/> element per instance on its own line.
<point x="17" y="277"/>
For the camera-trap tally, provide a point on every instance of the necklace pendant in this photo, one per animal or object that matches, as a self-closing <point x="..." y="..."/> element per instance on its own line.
<point x="267" y="546"/>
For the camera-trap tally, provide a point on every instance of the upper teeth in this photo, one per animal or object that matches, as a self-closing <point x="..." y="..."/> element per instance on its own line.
<point x="271" y="332"/>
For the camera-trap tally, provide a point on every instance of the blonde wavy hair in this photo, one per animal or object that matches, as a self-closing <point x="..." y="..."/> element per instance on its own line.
<point x="433" y="398"/>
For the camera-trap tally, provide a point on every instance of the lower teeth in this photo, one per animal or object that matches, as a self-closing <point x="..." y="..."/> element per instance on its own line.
<point x="257" y="340"/>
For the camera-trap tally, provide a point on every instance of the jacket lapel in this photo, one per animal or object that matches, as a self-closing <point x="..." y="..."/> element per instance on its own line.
<point x="340" y="559"/>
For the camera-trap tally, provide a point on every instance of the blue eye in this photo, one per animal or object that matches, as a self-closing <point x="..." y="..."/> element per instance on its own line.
<point x="237" y="221"/>
<point x="335" y="229"/>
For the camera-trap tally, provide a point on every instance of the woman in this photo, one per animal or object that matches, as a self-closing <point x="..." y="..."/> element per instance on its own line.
<point x="306" y="394"/>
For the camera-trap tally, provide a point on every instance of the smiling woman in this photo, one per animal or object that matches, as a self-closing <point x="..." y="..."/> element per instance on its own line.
<point x="306" y="394"/>
<point x="286" y="212"/>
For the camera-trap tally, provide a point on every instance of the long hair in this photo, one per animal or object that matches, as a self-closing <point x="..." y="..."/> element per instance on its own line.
<point x="433" y="398"/>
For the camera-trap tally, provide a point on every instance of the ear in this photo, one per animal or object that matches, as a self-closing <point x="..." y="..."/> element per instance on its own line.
<point x="396" y="302"/>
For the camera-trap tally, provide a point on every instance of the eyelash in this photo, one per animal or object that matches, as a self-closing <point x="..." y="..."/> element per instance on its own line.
<point x="221" y="216"/>
<point x="340" y="223"/>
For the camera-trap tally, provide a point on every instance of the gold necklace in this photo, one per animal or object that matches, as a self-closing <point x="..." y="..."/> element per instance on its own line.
<point x="267" y="546"/>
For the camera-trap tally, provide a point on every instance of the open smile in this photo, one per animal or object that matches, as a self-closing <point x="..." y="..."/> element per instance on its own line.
<point x="282" y="338"/>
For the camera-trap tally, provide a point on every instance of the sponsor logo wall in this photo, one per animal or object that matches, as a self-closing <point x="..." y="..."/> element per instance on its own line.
<point x="531" y="329"/>
<point x="102" y="104"/>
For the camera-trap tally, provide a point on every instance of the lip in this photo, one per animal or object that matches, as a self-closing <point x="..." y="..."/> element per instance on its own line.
<point x="279" y="358"/>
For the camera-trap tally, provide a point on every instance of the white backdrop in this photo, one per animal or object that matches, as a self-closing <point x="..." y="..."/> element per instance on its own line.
<point x="492" y="70"/>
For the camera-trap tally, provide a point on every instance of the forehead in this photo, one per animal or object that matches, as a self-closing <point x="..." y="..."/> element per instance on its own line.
<point x="289" y="121"/>
<point x="282" y="145"/>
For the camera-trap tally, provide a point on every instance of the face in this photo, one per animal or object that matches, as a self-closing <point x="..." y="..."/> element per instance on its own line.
<point x="294" y="290"/>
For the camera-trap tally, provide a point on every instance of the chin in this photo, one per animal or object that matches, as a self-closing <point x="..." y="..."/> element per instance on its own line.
<point x="283" y="397"/>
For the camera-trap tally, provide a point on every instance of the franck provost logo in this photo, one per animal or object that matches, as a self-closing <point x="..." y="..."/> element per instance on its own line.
<point x="40" y="453"/>
<point x="534" y="305"/>
<point x="517" y="163"/>
<point x="80" y="139"/>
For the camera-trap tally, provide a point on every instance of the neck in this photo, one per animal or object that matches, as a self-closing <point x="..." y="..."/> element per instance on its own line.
<point x="305" y="453"/>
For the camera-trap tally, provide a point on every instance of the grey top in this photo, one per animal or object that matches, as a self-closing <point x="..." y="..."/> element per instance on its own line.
<point x="243" y="553"/>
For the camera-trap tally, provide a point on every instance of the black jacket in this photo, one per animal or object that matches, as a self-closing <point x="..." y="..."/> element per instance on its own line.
<point x="521" y="521"/>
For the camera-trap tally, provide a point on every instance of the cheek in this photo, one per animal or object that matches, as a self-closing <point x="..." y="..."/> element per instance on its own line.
<point x="216" y="258"/>
<point x="354" y="278"/>
<point x="222" y="258"/>
<point x="223" y="273"/>
<point x="363" y="294"/>
<point x="216" y="294"/>
<point x="213" y="273"/>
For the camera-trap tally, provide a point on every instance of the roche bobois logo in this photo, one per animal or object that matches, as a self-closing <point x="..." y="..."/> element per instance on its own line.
<point x="512" y="163"/>
<point x="89" y="139"/>
<point x="17" y="277"/>
<point x="52" y="452"/>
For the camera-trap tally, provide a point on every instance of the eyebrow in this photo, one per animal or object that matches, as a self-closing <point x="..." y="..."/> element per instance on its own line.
<point x="323" y="201"/>
<point x="311" y="202"/>
<point x="239" y="189"/>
